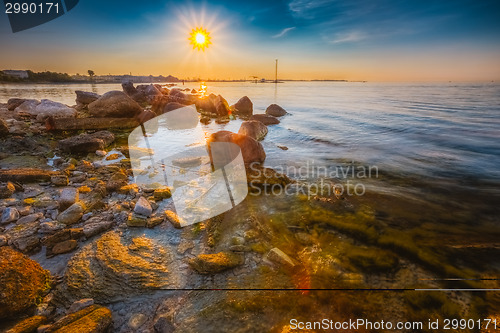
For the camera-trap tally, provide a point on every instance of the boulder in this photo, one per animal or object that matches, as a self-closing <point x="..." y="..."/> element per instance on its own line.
<point x="64" y="247"/>
<point x="176" y="95"/>
<point x="265" y="119"/>
<point x="27" y="106"/>
<point x="6" y="190"/>
<point x="86" y="143"/>
<point x="159" y="103"/>
<point x="4" y="128"/>
<point x="112" y="269"/>
<point x="48" y="108"/>
<point x="150" y="92"/>
<point x="244" y="107"/>
<point x="14" y="103"/>
<point x="215" y="262"/>
<point x="275" y="110"/>
<point x="251" y="150"/>
<point x="59" y="180"/>
<point x="114" y="104"/>
<point x="22" y="282"/>
<point x="254" y="129"/>
<point x="171" y="106"/>
<point x="221" y="106"/>
<point x="85" y="97"/>
<point x="92" y="319"/>
<point x="72" y="214"/>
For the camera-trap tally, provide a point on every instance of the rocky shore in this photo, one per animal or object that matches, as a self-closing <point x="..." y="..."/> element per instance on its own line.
<point x="85" y="249"/>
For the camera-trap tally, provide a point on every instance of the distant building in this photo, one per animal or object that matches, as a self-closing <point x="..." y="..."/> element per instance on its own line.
<point x="16" y="73"/>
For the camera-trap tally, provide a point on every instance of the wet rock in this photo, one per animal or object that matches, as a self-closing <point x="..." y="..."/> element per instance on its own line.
<point x="72" y="214"/>
<point x="59" y="180"/>
<point x="136" y="321"/>
<point x="92" y="319"/>
<point x="68" y="197"/>
<point x="261" y="177"/>
<point x="143" y="207"/>
<point x="14" y="103"/>
<point x="251" y="150"/>
<point x="163" y="325"/>
<point x="48" y="108"/>
<point x="85" y="97"/>
<point x="6" y="190"/>
<point x="162" y="193"/>
<point x="149" y="91"/>
<point x="22" y="282"/>
<point x="221" y="106"/>
<point x="159" y="103"/>
<point x="86" y="143"/>
<point x="135" y="220"/>
<point x="265" y="119"/>
<point x="254" y="129"/>
<point x="114" y="104"/>
<point x="282" y="147"/>
<point x="244" y="107"/>
<point x="206" y="107"/>
<point x="275" y="110"/>
<point x="279" y="257"/>
<point x="171" y="106"/>
<point x="25" y="175"/>
<point x="215" y="262"/>
<point x="116" y="181"/>
<point x="108" y="270"/>
<point x="30" y="218"/>
<point x="96" y="225"/>
<point x="80" y="304"/>
<point x="173" y="218"/>
<point x="28" y="325"/>
<point x="4" y="128"/>
<point x="176" y="95"/>
<point x="10" y="214"/>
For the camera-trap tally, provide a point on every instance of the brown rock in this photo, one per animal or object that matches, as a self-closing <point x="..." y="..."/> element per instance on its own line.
<point x="254" y="129"/>
<point x="215" y="262"/>
<point x="114" y="104"/>
<point x="244" y="107"/>
<point x="87" y="143"/>
<point x="92" y="319"/>
<point x="22" y="282"/>
<point x="265" y="119"/>
<point x="28" y="325"/>
<point x="25" y="175"/>
<point x="4" y="129"/>
<point x="251" y="150"/>
<point x="6" y="190"/>
<point x="275" y="110"/>
<point x="64" y="247"/>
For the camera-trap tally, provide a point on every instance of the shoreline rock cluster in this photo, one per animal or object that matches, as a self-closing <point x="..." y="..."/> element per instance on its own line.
<point x="79" y="209"/>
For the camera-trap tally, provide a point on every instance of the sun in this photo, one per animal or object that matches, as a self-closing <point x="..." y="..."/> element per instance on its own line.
<point x="200" y="38"/>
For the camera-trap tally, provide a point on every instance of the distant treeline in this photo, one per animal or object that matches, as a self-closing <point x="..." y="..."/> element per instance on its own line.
<point x="38" y="77"/>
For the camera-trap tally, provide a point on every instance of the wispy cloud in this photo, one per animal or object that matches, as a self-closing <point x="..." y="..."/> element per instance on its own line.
<point x="283" y="32"/>
<point x="349" y="37"/>
<point x="307" y="8"/>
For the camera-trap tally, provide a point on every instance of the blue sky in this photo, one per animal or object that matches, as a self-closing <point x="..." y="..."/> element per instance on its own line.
<point x="318" y="39"/>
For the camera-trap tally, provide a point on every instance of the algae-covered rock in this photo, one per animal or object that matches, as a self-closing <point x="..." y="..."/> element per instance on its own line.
<point x="215" y="262"/>
<point x="22" y="282"/>
<point x="28" y="325"/>
<point x="92" y="319"/>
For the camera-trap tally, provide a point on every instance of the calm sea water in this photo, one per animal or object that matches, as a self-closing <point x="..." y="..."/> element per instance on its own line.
<point x="432" y="130"/>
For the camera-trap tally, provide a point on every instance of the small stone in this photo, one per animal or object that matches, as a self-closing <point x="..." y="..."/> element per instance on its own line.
<point x="135" y="220"/>
<point x="154" y="221"/>
<point x="100" y="153"/>
<point x="137" y="320"/>
<point x="79" y="305"/>
<point x="59" y="180"/>
<point x="10" y="214"/>
<point x="6" y="190"/>
<point x="25" y="210"/>
<point x="143" y="207"/>
<point x="277" y="256"/>
<point x="162" y="193"/>
<point x="236" y="240"/>
<point x="69" y="196"/>
<point x="215" y="262"/>
<point x="64" y="247"/>
<point x="283" y="147"/>
<point x="50" y="227"/>
<point x="3" y="240"/>
<point x="163" y="325"/>
<point x="30" y="218"/>
<point x="72" y="214"/>
<point x="32" y="192"/>
<point x="175" y="219"/>
<point x="184" y="245"/>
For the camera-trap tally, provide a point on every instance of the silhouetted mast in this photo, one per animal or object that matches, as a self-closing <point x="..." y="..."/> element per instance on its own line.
<point x="276" y="73"/>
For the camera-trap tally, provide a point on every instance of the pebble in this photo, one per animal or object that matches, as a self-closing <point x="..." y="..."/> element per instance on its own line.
<point x="100" y="153"/>
<point x="137" y="320"/>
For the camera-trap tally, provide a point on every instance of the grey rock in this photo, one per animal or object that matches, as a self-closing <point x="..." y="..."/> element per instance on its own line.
<point x="72" y="214"/>
<point x="87" y="143"/>
<point x="10" y="214"/>
<point x="14" y="103"/>
<point x="51" y="227"/>
<point x="69" y="196"/>
<point x="30" y="218"/>
<point x="95" y="226"/>
<point x="81" y="304"/>
<point x="48" y="108"/>
<point x="143" y="207"/>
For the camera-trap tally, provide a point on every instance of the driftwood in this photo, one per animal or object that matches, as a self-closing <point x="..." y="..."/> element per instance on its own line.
<point x="68" y="124"/>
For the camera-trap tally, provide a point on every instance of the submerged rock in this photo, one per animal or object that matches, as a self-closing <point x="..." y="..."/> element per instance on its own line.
<point x="258" y="176"/>
<point x="275" y="110"/>
<point x="22" y="282"/>
<point x="108" y="270"/>
<point x="254" y="129"/>
<point x="279" y="257"/>
<point x="28" y="325"/>
<point x="251" y="150"/>
<point x="87" y="143"/>
<point x="215" y="262"/>
<point x="265" y="119"/>
<point x="244" y="107"/>
<point x="114" y="104"/>
<point x="92" y="319"/>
